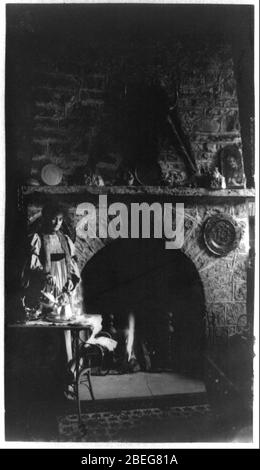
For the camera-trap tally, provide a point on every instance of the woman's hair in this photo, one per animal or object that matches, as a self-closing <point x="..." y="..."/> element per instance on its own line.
<point x="49" y="211"/>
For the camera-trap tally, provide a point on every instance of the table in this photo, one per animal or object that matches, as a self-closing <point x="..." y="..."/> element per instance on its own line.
<point x="74" y="326"/>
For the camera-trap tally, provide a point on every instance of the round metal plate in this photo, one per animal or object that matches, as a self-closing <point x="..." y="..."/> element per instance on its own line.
<point x="221" y="234"/>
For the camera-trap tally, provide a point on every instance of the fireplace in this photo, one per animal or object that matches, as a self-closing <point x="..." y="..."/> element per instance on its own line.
<point x="141" y="275"/>
<point x="162" y="290"/>
<point x="187" y="303"/>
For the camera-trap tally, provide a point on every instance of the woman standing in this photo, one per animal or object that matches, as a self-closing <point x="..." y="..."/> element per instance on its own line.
<point x="51" y="265"/>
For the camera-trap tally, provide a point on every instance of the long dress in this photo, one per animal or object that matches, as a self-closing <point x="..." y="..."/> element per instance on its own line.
<point x="62" y="266"/>
<point x="58" y="267"/>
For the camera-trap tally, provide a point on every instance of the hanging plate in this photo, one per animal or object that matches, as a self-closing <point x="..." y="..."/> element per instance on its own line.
<point x="221" y="234"/>
<point x="51" y="174"/>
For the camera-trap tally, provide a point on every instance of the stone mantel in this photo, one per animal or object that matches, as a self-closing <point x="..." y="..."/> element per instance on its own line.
<point x="141" y="191"/>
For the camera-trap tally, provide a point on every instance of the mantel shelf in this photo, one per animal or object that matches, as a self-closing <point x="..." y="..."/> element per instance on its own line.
<point x="139" y="190"/>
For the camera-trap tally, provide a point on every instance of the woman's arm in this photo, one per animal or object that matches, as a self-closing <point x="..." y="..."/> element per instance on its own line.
<point x="35" y="247"/>
<point x="32" y="262"/>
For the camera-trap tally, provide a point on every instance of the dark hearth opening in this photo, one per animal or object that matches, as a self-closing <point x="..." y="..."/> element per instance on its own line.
<point x="163" y="291"/>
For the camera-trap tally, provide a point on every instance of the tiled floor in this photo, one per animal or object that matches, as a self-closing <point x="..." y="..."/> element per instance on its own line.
<point x="141" y="384"/>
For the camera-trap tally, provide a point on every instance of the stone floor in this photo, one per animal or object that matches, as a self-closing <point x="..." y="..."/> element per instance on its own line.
<point x="150" y="415"/>
<point x="140" y="407"/>
<point x="141" y="384"/>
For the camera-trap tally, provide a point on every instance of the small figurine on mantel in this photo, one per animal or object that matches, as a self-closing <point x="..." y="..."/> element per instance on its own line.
<point x="217" y="180"/>
<point x="210" y="179"/>
<point x="93" y="178"/>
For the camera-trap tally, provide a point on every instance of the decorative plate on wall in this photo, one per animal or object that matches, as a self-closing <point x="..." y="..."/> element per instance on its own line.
<point x="221" y="234"/>
<point x="51" y="174"/>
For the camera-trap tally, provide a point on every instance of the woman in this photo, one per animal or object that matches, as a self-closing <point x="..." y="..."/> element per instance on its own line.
<point x="52" y="266"/>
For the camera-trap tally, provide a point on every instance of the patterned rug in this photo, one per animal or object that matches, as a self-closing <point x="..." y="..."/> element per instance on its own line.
<point x="168" y="424"/>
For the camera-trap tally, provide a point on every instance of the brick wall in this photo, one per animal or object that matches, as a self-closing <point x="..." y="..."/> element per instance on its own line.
<point x="78" y="106"/>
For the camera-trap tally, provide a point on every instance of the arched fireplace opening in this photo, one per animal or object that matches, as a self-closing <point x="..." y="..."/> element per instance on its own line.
<point x="162" y="290"/>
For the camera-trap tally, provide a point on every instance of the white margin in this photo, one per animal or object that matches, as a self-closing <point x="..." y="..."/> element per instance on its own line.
<point x="46" y="445"/>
